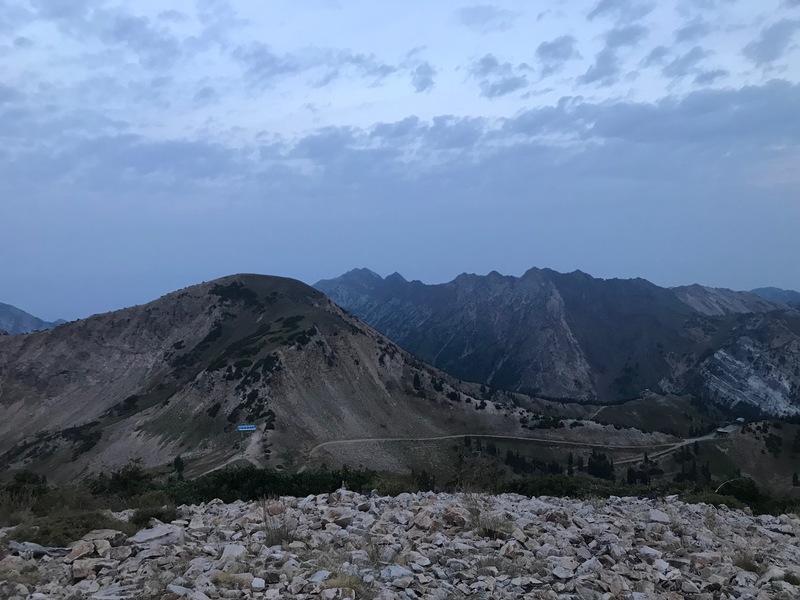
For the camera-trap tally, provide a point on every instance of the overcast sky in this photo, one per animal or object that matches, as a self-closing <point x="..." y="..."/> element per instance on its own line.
<point x="146" y="146"/>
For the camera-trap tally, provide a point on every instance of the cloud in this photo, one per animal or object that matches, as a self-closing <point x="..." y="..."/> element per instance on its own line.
<point x="448" y="132"/>
<point x="398" y="129"/>
<point x="9" y="94"/>
<point x="685" y="64"/>
<point x="221" y="24"/>
<point x="422" y="77"/>
<point x="551" y="174"/>
<point x="759" y="114"/>
<point x="553" y="54"/>
<point x="12" y="16"/>
<point x="606" y="67"/>
<point x="656" y="56"/>
<point x="628" y="35"/>
<point x="23" y="42"/>
<point x="772" y="43"/>
<point x="205" y="95"/>
<point x="499" y="79"/>
<point x="155" y="46"/>
<point x="625" y="11"/>
<point x="693" y="31"/>
<point x="57" y="11"/>
<point x="792" y="3"/>
<point x="709" y="77"/>
<point x="486" y="18"/>
<point x="325" y="143"/>
<point x="263" y="66"/>
<point x="173" y="16"/>
<point x="367" y="65"/>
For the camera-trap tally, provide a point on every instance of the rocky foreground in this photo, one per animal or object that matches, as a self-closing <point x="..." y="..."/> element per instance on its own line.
<point x="425" y="545"/>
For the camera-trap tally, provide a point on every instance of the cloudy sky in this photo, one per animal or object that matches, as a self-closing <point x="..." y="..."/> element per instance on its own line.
<point x="146" y="146"/>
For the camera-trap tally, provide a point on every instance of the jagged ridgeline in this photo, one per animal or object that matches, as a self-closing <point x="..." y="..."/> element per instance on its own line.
<point x="176" y="376"/>
<point x="576" y="337"/>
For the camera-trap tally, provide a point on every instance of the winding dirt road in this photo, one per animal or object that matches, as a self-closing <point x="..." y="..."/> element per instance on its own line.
<point x="657" y="450"/>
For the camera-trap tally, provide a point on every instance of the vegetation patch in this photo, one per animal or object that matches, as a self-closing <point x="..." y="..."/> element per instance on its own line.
<point x="61" y="529"/>
<point x="83" y="437"/>
<point x="236" y="292"/>
<point x="141" y="518"/>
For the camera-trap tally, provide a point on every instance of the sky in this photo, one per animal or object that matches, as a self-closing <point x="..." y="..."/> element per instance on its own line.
<point x="150" y="145"/>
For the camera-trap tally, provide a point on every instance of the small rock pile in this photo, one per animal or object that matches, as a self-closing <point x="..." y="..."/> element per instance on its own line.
<point x="426" y="545"/>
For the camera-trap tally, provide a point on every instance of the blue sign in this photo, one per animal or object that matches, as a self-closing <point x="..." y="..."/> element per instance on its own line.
<point x="246" y="427"/>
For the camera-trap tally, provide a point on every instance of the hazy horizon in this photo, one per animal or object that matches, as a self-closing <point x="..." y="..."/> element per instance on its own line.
<point x="150" y="147"/>
<point x="158" y="293"/>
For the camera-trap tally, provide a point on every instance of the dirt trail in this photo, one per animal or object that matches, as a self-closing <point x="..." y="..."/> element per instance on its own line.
<point x="660" y="449"/>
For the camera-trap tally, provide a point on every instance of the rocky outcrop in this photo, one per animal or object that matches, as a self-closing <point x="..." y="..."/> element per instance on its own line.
<point x="758" y="367"/>
<point x="424" y="545"/>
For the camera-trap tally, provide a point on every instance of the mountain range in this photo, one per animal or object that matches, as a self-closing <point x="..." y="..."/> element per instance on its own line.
<point x="579" y="338"/>
<point x="538" y="363"/>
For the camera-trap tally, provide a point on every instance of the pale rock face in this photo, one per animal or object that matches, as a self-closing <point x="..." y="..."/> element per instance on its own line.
<point x="542" y="547"/>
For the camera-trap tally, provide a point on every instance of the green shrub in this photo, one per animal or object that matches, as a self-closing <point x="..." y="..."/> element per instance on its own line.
<point x="165" y="514"/>
<point x="132" y="480"/>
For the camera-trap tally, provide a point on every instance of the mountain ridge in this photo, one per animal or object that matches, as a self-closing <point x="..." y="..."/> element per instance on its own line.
<point x="584" y="338"/>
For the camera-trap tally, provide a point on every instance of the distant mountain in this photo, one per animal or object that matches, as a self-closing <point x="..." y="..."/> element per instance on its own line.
<point x="778" y="295"/>
<point x="720" y="301"/>
<point x="573" y="336"/>
<point x="15" y="321"/>
<point x="177" y="375"/>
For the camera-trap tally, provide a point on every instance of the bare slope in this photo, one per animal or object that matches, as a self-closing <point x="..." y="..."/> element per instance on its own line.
<point x="720" y="302"/>
<point x="176" y="376"/>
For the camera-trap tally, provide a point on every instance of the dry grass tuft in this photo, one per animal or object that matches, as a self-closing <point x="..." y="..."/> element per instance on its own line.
<point x="492" y="526"/>
<point x="279" y="527"/>
<point x="749" y="562"/>
<point x="228" y="580"/>
<point x="352" y="582"/>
